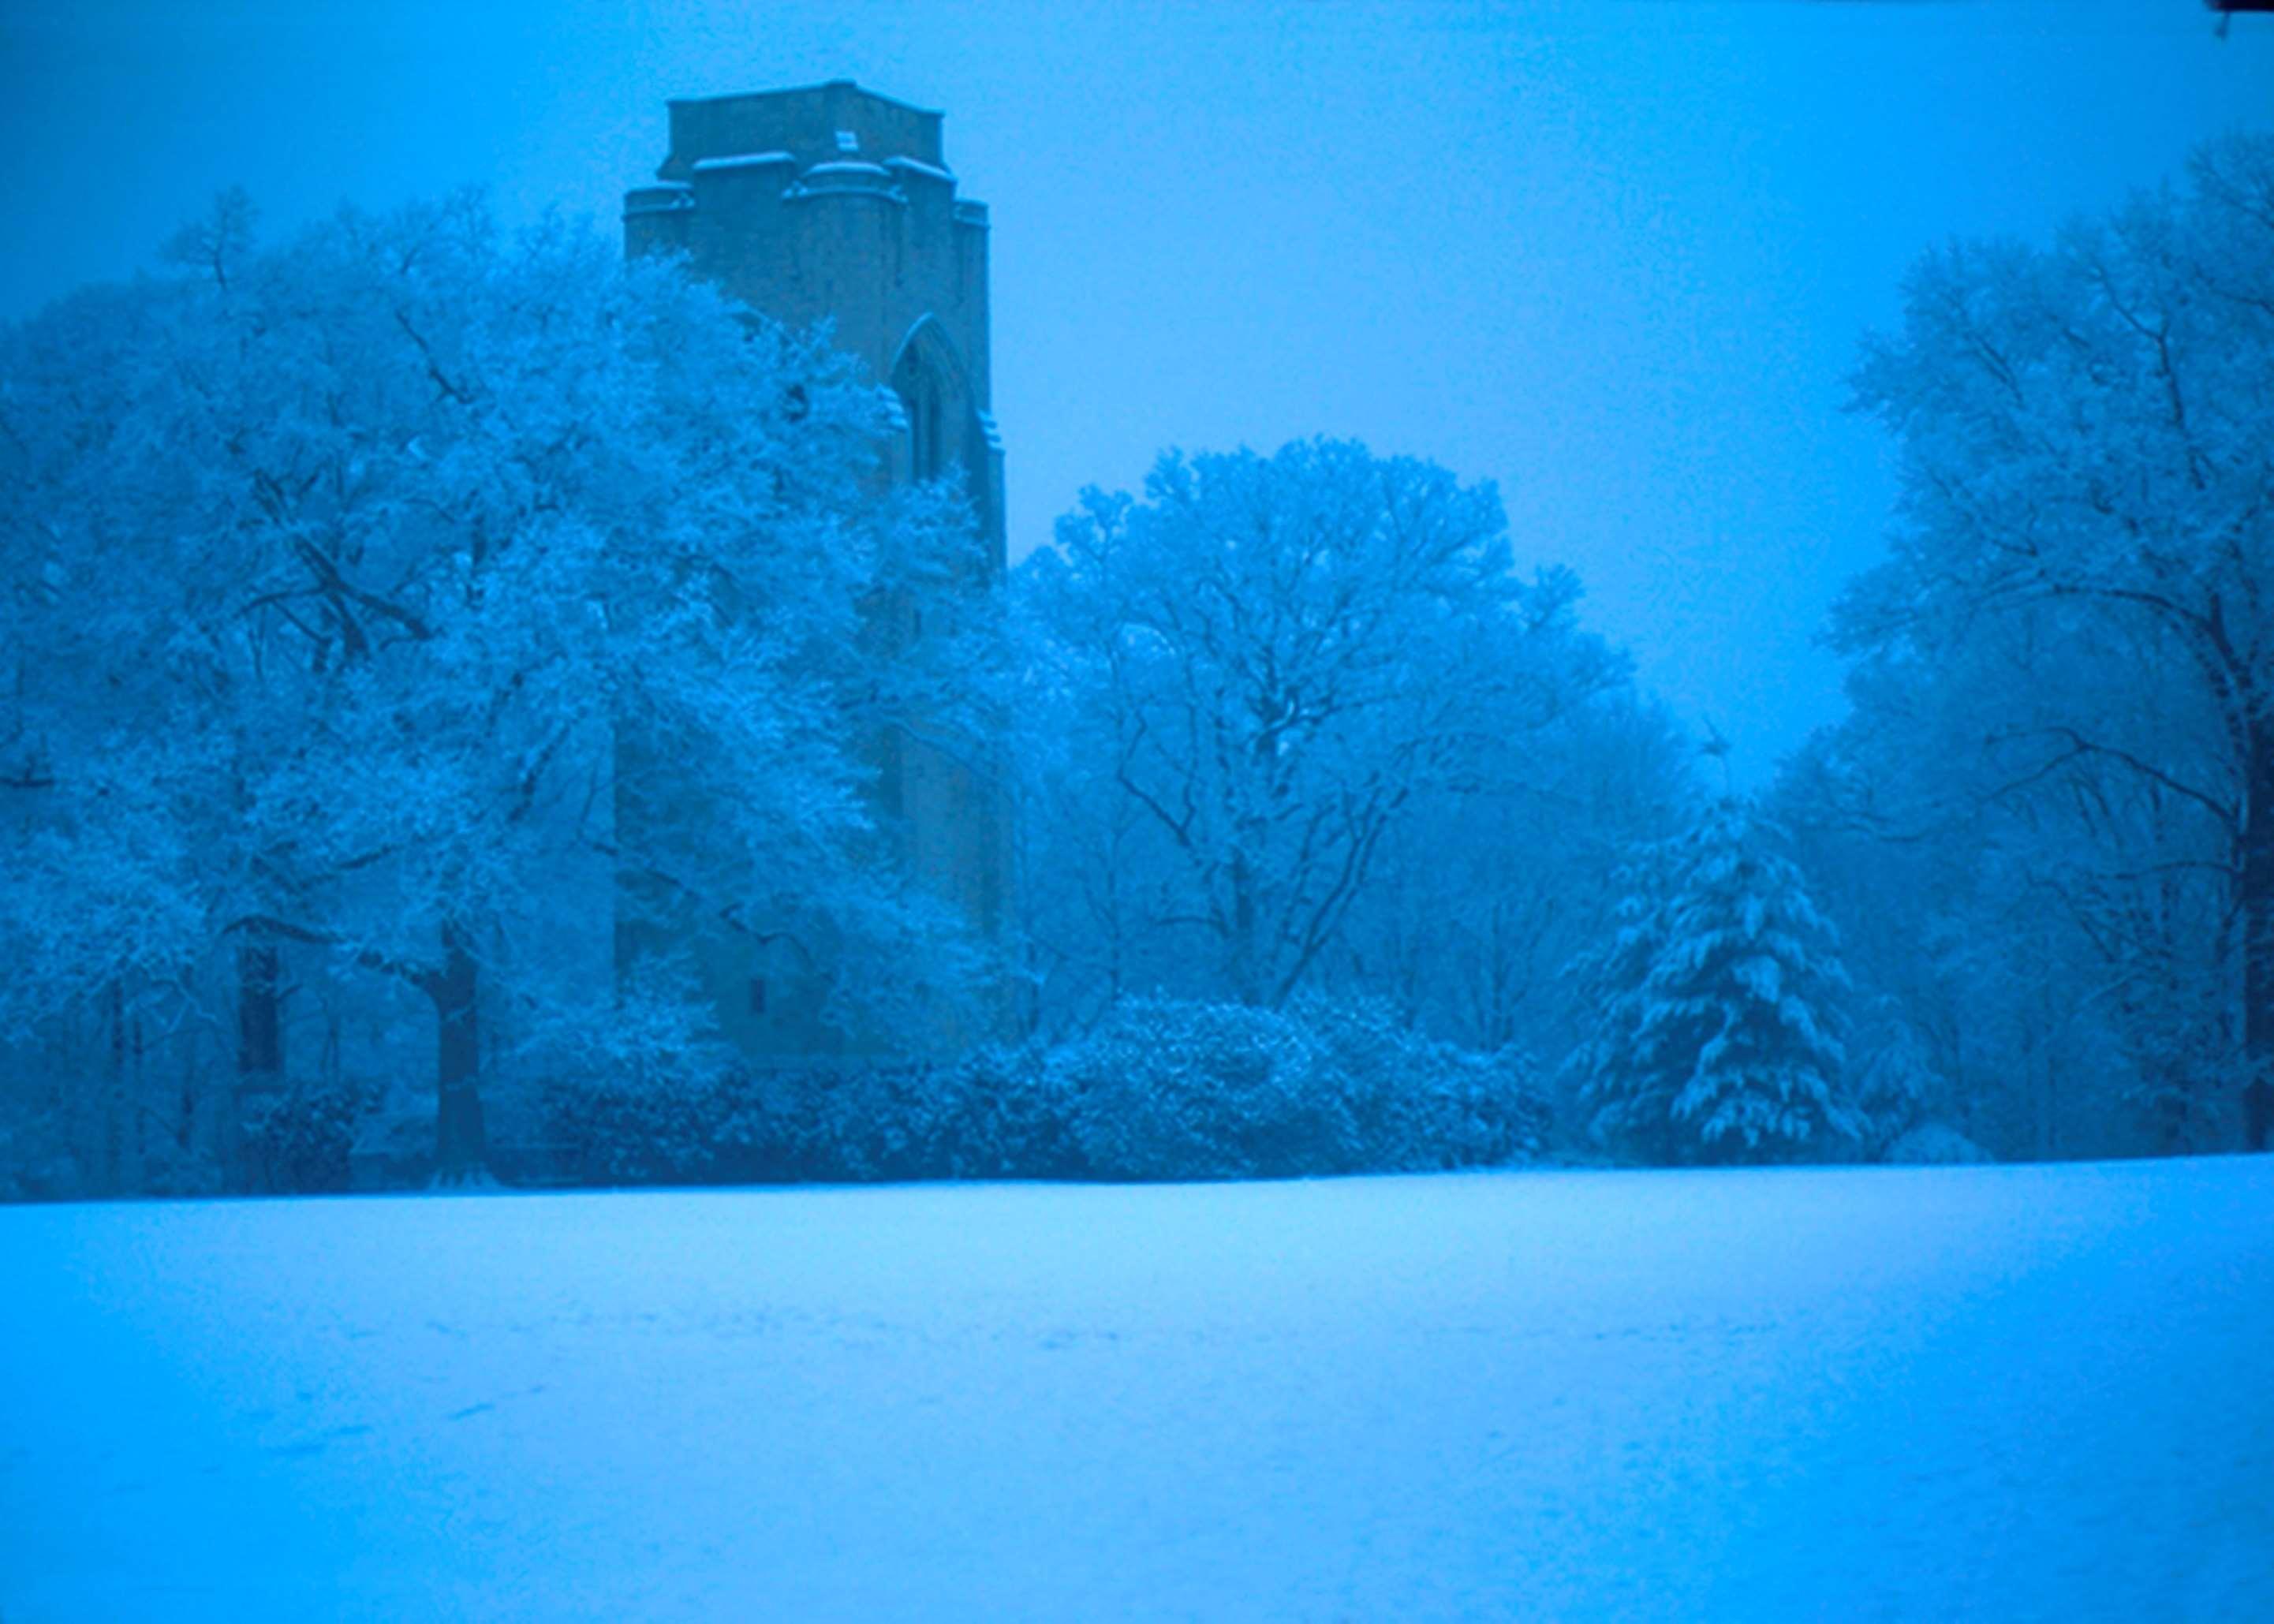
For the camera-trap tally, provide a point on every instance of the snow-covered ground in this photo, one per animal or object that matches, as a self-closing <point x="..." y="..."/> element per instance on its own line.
<point x="2002" y="1393"/>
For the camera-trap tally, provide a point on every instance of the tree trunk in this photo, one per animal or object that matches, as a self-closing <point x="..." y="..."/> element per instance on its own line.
<point x="1245" y="970"/>
<point x="114" y="1137"/>
<point x="461" y="1154"/>
<point x="2255" y="905"/>
<point x="259" y="1047"/>
<point x="260" y="1021"/>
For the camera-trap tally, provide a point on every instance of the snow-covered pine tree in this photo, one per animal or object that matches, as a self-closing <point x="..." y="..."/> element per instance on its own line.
<point x="1609" y="979"/>
<point x="1717" y="1035"/>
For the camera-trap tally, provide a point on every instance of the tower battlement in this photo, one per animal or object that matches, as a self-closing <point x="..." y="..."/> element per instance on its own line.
<point x="810" y="124"/>
<point x="834" y="203"/>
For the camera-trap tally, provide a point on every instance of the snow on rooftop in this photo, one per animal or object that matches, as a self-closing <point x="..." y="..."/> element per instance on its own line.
<point x="917" y="166"/>
<point x="742" y="160"/>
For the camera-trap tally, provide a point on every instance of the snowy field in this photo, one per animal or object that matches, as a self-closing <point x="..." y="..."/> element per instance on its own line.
<point x="2005" y="1393"/>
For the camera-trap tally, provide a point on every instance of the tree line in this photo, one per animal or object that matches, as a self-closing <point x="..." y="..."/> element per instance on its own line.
<point x="415" y="634"/>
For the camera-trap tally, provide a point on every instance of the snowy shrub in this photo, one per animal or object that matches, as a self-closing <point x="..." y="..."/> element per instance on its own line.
<point x="1160" y="1090"/>
<point x="1895" y="1081"/>
<point x="295" y="1142"/>
<point x="639" y="1091"/>
<point x="1483" y="1110"/>
<point x="36" y="1164"/>
<point x="661" y="1126"/>
<point x="1174" y="1090"/>
<point x="394" y="1148"/>
<point x="864" y="1123"/>
<point x="988" y="1115"/>
<point x="1934" y="1144"/>
<point x="1013" y="1118"/>
<point x="1419" y="1103"/>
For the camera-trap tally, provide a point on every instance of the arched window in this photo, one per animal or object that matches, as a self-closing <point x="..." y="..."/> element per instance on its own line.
<point x="927" y="459"/>
<point x="930" y="385"/>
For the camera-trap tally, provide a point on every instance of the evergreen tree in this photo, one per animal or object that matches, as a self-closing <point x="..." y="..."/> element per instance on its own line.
<point x="1717" y="1030"/>
<point x="1611" y="978"/>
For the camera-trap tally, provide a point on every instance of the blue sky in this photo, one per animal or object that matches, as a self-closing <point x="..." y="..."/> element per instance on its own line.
<point x="1614" y="256"/>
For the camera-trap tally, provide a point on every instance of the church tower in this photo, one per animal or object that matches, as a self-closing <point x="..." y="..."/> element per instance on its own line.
<point x="833" y="203"/>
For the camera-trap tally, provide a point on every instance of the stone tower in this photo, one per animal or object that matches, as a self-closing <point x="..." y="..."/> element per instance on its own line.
<point x="833" y="203"/>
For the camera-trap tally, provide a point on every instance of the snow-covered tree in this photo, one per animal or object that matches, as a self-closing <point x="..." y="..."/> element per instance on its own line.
<point x="1608" y="979"/>
<point x="1505" y="868"/>
<point x="1717" y="1036"/>
<point x="436" y="602"/>
<point x="2063" y="729"/>
<point x="1252" y="677"/>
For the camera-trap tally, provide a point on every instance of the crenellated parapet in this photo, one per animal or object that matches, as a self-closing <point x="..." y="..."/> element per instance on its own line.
<point x="832" y="203"/>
